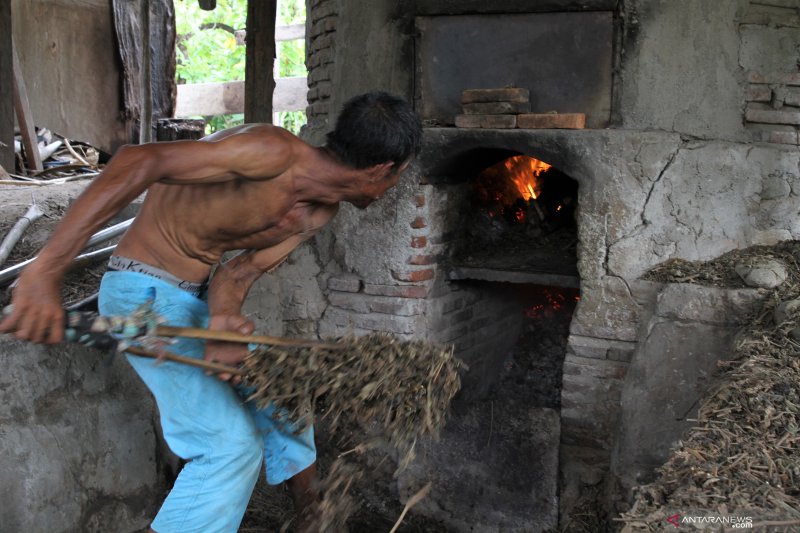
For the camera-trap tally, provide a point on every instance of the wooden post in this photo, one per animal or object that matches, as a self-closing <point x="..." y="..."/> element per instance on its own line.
<point x="259" y="81"/>
<point x="24" y="117"/>
<point x="146" y="88"/>
<point x="6" y="90"/>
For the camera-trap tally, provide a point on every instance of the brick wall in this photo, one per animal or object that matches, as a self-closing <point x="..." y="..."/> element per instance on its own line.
<point x="769" y="34"/>
<point x="323" y="17"/>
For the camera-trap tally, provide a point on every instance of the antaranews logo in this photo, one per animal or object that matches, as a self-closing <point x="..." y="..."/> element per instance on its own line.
<point x="731" y="521"/>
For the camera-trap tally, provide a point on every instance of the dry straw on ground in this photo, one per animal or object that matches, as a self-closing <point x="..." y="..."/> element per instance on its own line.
<point x="379" y="390"/>
<point x="742" y="459"/>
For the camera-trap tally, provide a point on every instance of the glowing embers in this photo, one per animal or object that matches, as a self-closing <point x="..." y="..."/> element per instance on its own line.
<point x="550" y="301"/>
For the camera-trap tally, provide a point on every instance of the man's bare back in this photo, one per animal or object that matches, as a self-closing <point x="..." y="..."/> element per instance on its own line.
<point x="186" y="228"/>
<point x="254" y="187"/>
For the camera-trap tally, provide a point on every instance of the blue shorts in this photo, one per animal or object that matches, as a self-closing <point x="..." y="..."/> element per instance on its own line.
<point x="204" y="420"/>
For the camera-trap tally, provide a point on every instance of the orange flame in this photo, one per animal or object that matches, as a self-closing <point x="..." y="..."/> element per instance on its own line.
<point x="524" y="172"/>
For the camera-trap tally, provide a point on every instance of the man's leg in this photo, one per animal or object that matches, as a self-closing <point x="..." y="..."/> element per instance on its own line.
<point x="289" y="456"/>
<point x="304" y="489"/>
<point x="203" y="419"/>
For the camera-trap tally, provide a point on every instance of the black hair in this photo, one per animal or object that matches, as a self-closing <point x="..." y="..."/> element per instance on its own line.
<point x="375" y="128"/>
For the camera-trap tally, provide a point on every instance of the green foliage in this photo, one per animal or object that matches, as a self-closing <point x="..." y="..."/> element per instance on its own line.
<point x="207" y="51"/>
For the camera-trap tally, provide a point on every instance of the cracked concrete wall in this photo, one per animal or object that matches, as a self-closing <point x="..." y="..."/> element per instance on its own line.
<point x="78" y="438"/>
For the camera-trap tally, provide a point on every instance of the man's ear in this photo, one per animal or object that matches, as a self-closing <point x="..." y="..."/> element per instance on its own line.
<point x="380" y="171"/>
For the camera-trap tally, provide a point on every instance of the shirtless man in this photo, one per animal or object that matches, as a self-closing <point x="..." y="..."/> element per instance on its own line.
<point x="256" y="188"/>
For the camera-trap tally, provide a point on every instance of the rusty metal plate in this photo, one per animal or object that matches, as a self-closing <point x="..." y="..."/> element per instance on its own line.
<point x="564" y="59"/>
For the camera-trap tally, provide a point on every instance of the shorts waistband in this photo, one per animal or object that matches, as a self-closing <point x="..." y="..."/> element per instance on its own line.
<point x="121" y="263"/>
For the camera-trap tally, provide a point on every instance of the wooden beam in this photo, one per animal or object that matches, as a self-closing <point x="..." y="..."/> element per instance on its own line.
<point x="259" y="60"/>
<point x="6" y="89"/>
<point x="290" y="33"/>
<point x="205" y="99"/>
<point x="24" y="117"/>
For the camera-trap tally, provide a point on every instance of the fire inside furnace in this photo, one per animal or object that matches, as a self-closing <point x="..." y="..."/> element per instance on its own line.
<point x="522" y="190"/>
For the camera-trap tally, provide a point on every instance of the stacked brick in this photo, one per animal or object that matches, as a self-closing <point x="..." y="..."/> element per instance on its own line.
<point x="322" y="21"/>
<point x="360" y="306"/>
<point x="509" y="108"/>
<point x="772" y="113"/>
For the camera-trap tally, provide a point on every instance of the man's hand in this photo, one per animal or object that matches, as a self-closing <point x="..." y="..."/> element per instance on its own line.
<point x="228" y="353"/>
<point x="37" y="314"/>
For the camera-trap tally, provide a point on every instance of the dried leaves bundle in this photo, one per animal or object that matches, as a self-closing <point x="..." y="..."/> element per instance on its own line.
<point x="378" y="386"/>
<point x="743" y="457"/>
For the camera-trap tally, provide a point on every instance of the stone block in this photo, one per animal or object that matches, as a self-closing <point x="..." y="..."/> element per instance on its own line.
<point x="497" y="108"/>
<point x="401" y="291"/>
<point x="595" y="348"/>
<point x="486" y="121"/>
<point x="570" y="121"/>
<point x="414" y="276"/>
<point x="494" y="469"/>
<point x="423" y="259"/>
<point x="595" y="369"/>
<point x="419" y="242"/>
<point x="323" y="11"/>
<point x="772" y="116"/>
<point x="345" y="283"/>
<point x="508" y="94"/>
<point x="419" y="223"/>
<point x="792" y="97"/>
<point x="606" y="310"/>
<point x="758" y="93"/>
<point x="365" y="303"/>
<point x="709" y="305"/>
<point x="669" y="374"/>
<point x="775" y="134"/>
<point x="787" y="78"/>
<point x="338" y="318"/>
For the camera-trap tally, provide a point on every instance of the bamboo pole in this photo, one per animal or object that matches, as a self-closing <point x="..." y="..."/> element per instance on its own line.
<point x="175" y="358"/>
<point x="231" y="336"/>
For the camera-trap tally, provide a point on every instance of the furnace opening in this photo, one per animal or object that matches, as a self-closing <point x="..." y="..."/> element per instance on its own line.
<point x="521" y="225"/>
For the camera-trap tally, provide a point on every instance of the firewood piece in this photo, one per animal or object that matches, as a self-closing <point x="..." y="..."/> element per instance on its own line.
<point x="497" y="108"/>
<point x="507" y="94"/>
<point x="570" y="121"/>
<point x="486" y="121"/>
<point x="24" y="117"/>
<point x="33" y="213"/>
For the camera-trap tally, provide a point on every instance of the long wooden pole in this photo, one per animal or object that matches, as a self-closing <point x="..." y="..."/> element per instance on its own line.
<point x="231" y="336"/>
<point x="175" y="358"/>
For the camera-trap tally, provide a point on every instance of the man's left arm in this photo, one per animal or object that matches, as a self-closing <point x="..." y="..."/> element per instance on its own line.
<point x="233" y="280"/>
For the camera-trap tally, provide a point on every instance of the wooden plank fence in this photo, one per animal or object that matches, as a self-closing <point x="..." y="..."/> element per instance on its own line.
<point x="227" y="98"/>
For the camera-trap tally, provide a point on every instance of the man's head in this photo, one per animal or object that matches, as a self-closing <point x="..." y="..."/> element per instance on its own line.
<point x="375" y="128"/>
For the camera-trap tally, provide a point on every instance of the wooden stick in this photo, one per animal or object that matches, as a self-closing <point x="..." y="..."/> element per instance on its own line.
<point x="76" y="155"/>
<point x="24" y="117"/>
<point x="231" y="336"/>
<point x="175" y="358"/>
<point x="412" y="501"/>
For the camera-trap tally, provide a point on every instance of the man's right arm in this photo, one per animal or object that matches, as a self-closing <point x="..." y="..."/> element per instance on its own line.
<point x="37" y="313"/>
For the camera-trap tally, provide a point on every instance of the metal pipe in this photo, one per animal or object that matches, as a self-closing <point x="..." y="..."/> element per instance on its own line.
<point x="103" y="235"/>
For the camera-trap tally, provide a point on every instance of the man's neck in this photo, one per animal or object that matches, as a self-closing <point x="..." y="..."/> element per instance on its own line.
<point x="323" y="178"/>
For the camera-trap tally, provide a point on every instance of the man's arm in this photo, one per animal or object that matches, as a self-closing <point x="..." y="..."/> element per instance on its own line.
<point x="233" y="280"/>
<point x="256" y="153"/>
